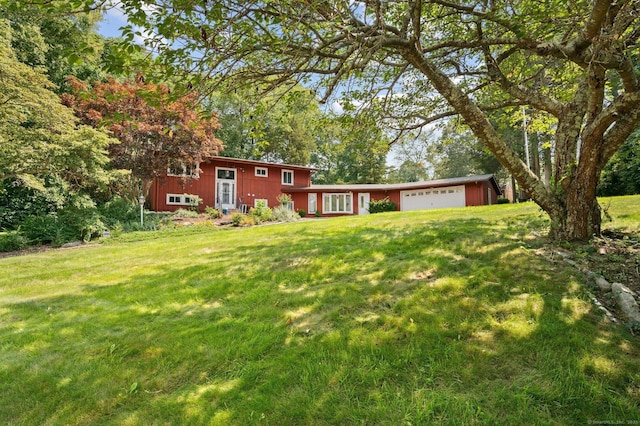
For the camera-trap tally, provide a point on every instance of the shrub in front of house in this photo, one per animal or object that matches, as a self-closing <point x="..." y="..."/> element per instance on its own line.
<point x="73" y="224"/>
<point x="261" y="213"/>
<point x="81" y="222"/>
<point x="42" y="230"/>
<point x="283" y="199"/>
<point x="503" y="200"/>
<point x="19" y="201"/>
<point x="194" y="202"/>
<point x="302" y="212"/>
<point x="236" y="219"/>
<point x="283" y="214"/>
<point x="213" y="213"/>
<point x="384" y="205"/>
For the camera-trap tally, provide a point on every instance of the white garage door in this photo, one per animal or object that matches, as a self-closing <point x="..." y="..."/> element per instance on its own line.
<point x="438" y="198"/>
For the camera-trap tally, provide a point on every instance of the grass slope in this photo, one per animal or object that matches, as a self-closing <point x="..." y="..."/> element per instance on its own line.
<point x="405" y="318"/>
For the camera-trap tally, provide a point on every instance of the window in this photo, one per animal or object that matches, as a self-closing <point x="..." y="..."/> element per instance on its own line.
<point x="287" y="177"/>
<point x="178" y="200"/>
<point x="258" y="200"/>
<point x="337" y="203"/>
<point x="262" y="171"/>
<point x="181" y="170"/>
<point x="312" y="202"/>
<point x="229" y="174"/>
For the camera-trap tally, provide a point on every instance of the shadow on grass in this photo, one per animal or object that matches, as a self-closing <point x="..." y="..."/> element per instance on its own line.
<point x="451" y="322"/>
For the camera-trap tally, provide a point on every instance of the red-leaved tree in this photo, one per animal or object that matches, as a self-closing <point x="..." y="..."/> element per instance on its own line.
<point x="156" y="130"/>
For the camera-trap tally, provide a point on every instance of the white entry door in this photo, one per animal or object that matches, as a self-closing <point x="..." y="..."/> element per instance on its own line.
<point x="225" y="188"/>
<point x="364" y="199"/>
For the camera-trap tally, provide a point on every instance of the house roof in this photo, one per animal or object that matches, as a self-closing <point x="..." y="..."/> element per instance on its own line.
<point x="399" y="186"/>
<point x="260" y="163"/>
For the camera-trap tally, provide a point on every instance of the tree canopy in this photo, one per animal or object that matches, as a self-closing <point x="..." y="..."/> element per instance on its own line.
<point x="59" y="45"/>
<point x="155" y="130"/>
<point x="414" y="62"/>
<point x="39" y="136"/>
<point x="279" y="127"/>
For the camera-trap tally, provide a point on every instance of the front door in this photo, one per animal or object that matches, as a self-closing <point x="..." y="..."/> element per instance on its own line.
<point x="225" y="188"/>
<point x="363" y="203"/>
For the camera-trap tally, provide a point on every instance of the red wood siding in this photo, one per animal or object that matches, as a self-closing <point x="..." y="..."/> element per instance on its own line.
<point x="249" y="187"/>
<point x="301" y="200"/>
<point x="392" y="195"/>
<point x="477" y="194"/>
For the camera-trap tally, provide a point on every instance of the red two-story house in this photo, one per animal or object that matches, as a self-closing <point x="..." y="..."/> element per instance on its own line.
<point x="227" y="184"/>
<point x="234" y="184"/>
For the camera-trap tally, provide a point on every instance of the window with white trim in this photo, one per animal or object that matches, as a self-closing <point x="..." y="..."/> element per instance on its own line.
<point x="182" y="170"/>
<point x="287" y="177"/>
<point x="178" y="200"/>
<point x="262" y="171"/>
<point x="337" y="203"/>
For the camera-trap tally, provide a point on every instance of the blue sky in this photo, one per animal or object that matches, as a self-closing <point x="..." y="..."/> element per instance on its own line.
<point x="112" y="20"/>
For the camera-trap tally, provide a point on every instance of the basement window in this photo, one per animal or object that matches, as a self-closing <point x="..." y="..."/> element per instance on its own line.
<point x="178" y="200"/>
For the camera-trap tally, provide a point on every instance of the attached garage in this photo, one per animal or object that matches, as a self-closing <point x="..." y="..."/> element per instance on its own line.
<point x="435" y="194"/>
<point x="436" y="198"/>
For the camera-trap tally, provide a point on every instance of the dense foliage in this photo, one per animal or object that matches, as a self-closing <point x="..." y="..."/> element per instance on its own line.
<point x="39" y="136"/>
<point x="408" y="64"/>
<point x="156" y="131"/>
<point x="383" y="205"/>
<point x="621" y="176"/>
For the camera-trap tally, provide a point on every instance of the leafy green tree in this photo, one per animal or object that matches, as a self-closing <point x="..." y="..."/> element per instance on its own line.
<point x="415" y="62"/>
<point x="621" y="176"/>
<point x="155" y="130"/>
<point x="457" y="152"/>
<point x="350" y="151"/>
<point x="48" y="162"/>
<point x="60" y="45"/>
<point x="237" y="123"/>
<point x="39" y="136"/>
<point x="278" y="127"/>
<point x="288" y="131"/>
<point x="408" y="171"/>
<point x="411" y="151"/>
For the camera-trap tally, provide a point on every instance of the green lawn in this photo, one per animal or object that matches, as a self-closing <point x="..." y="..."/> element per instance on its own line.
<point x="440" y="317"/>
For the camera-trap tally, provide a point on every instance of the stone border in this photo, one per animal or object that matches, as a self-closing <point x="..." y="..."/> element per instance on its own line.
<point x="625" y="297"/>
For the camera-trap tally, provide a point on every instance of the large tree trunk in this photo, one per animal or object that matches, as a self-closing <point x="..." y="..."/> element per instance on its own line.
<point x="579" y="220"/>
<point x="587" y="136"/>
